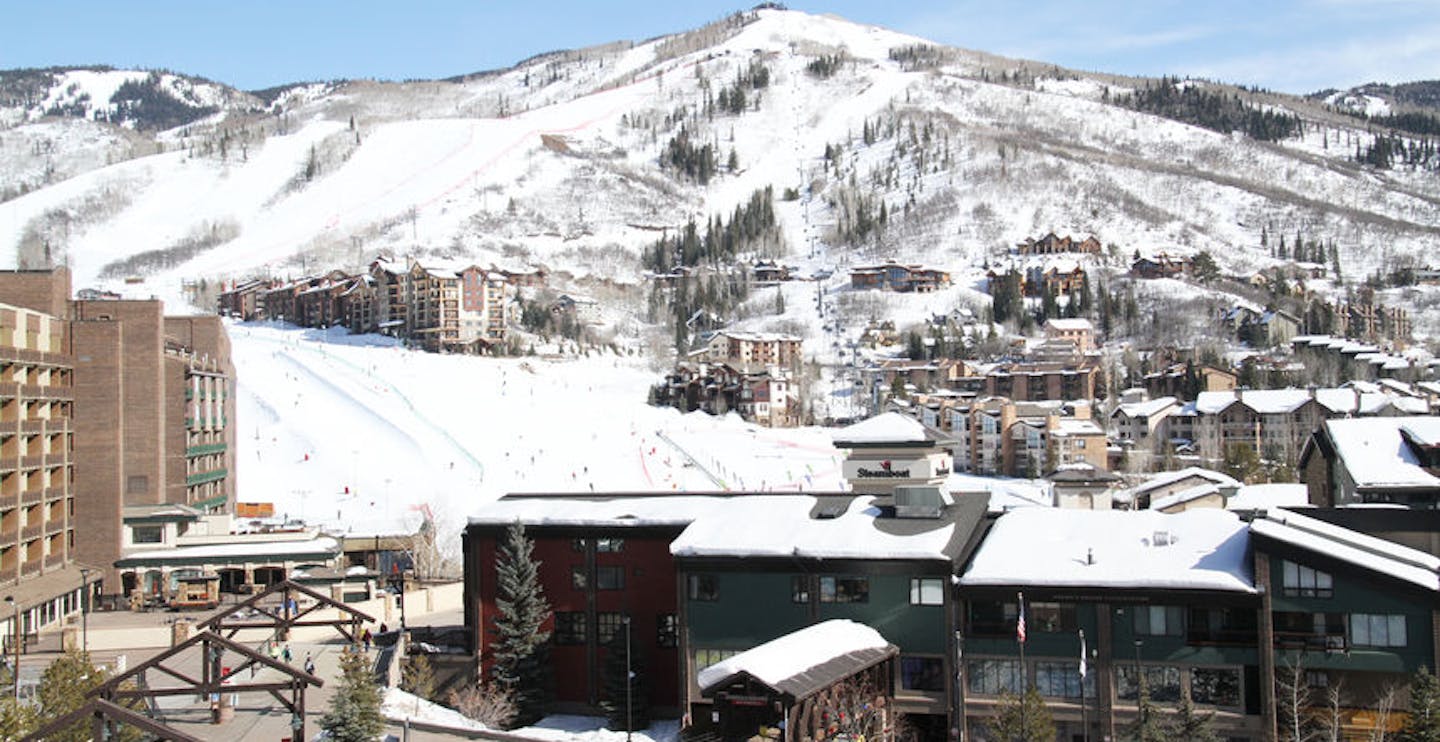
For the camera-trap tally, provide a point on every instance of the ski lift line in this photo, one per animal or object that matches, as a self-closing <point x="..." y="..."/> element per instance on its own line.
<point x="720" y="483"/>
<point x="464" y="452"/>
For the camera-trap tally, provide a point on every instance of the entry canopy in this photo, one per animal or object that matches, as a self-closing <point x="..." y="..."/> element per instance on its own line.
<point x="805" y="662"/>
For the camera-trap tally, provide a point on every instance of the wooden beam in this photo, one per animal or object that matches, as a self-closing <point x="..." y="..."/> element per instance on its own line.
<point x="100" y="711"/>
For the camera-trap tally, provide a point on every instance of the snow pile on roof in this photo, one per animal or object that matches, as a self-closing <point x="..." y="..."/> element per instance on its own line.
<point x="780" y="659"/>
<point x="323" y="546"/>
<point x="1164" y="479"/>
<point x="1375" y="453"/>
<point x="1424" y="431"/>
<point x="1266" y="496"/>
<point x="1146" y="408"/>
<point x="891" y="427"/>
<point x="782" y="526"/>
<point x="1072" y="324"/>
<point x="1005" y="493"/>
<point x="1386" y="557"/>
<point x="1071" y="426"/>
<point x="1197" y="550"/>
<point x="657" y="509"/>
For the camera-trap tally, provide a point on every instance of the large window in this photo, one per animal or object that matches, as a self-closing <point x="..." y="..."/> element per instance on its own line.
<point x="609" y="545"/>
<point x="993" y="677"/>
<point x="1300" y="581"/>
<point x="844" y="590"/>
<point x="147" y="534"/>
<point x="607" y="625"/>
<point x="609" y="578"/>
<point x="667" y="630"/>
<point x="1054" y="617"/>
<point x="703" y="587"/>
<point x="1159" y="620"/>
<point x="1215" y="686"/>
<point x="800" y="589"/>
<point x="922" y="673"/>
<point x="927" y="591"/>
<point x="707" y="657"/>
<point x="1317" y="631"/>
<point x="1235" y="626"/>
<point x="570" y="627"/>
<point x="1162" y="682"/>
<point x="992" y="619"/>
<point x="1062" y="680"/>
<point x="1377" y="630"/>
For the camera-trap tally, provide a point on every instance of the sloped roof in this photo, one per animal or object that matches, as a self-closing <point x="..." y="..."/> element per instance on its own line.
<point x="1165" y="479"/>
<point x="887" y="428"/>
<point x="1376" y="455"/>
<point x="1385" y="557"/>
<point x="804" y="662"/>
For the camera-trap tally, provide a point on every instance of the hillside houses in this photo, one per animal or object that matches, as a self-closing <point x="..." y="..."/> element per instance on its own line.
<point x="1050" y="244"/>
<point x="1037" y="278"/>
<point x="892" y="276"/>
<point x="751" y="374"/>
<point x="1161" y="265"/>
<point x="440" y="307"/>
<point x="751" y="349"/>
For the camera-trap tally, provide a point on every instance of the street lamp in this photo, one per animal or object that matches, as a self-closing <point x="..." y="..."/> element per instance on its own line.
<point x="1139" y="683"/>
<point x="85" y="609"/>
<point x="15" y="640"/>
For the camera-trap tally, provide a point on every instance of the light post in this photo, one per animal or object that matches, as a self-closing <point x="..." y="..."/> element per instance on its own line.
<point x="85" y="609"/>
<point x="629" y="676"/>
<point x="1139" y="684"/>
<point x="15" y="640"/>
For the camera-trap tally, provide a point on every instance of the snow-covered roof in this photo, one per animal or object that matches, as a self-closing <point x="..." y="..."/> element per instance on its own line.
<point x="1071" y="426"/>
<point x="835" y="527"/>
<point x="890" y="427"/>
<point x="1386" y="557"/>
<point x="1165" y="479"/>
<point x="1267" y="496"/>
<point x="322" y="547"/>
<point x="1188" y="494"/>
<point x="1280" y="401"/>
<point x="1072" y="324"/>
<point x="785" y="663"/>
<point x="1422" y="430"/>
<point x="620" y="510"/>
<point x="1147" y="408"/>
<point x="1376" y="455"/>
<point x="1197" y="550"/>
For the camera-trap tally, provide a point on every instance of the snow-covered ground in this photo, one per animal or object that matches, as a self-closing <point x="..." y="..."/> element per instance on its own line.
<point x="358" y="434"/>
<point x="399" y="706"/>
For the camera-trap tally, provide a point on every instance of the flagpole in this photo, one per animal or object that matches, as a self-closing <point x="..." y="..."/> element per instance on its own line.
<point x="1084" y="709"/>
<point x="1020" y="629"/>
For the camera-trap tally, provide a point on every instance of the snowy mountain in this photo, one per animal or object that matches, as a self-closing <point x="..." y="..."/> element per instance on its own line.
<point x="561" y="161"/>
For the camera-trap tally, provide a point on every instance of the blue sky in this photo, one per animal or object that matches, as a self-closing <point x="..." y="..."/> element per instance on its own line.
<point x="1290" y="45"/>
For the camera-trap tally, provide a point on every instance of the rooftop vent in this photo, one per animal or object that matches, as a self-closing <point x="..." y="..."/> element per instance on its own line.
<point x="918" y="502"/>
<point x="1162" y="538"/>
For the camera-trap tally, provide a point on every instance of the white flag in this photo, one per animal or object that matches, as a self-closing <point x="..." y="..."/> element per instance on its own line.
<point x="1082" y="655"/>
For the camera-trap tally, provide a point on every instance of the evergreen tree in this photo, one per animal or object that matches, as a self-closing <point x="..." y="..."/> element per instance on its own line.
<point x="1205" y="268"/>
<point x="779" y="300"/>
<point x="1189" y="724"/>
<point x="16" y="719"/>
<point x="417" y="676"/>
<point x="1023" y="718"/>
<point x="522" y="662"/>
<point x="1423" y="724"/>
<point x="1148" y="725"/>
<point x="64" y="687"/>
<point x="354" y="714"/>
<point x="618" y="677"/>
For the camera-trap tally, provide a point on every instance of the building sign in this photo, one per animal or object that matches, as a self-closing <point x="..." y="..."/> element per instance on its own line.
<point x="886" y="469"/>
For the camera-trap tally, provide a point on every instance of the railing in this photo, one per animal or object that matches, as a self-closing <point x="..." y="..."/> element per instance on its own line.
<point x="1311" y="641"/>
<point x="204" y="477"/>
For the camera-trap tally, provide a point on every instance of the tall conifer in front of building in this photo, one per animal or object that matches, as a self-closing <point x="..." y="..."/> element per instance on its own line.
<point x="522" y="657"/>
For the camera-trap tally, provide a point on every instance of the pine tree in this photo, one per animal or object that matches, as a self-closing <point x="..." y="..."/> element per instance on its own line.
<point x="1189" y="724"/>
<point x="64" y="687"/>
<point x="1423" y="725"/>
<point x="1148" y="725"/>
<point x="1023" y="718"/>
<point x="618" y="676"/>
<point x="354" y="714"/>
<point x="522" y="662"/>
<point x="418" y="676"/>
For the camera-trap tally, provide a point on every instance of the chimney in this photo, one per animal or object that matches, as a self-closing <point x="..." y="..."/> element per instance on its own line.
<point x="1089" y="556"/>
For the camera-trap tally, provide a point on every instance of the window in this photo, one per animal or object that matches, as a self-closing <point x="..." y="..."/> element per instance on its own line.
<point x="707" y="657"/>
<point x="922" y="673"/>
<point x="1234" y="626"/>
<point x="1062" y="680"/>
<point x="609" y="578"/>
<point x="137" y="484"/>
<point x="1159" y="620"/>
<point x="844" y="590"/>
<point x="570" y="627"/>
<point x="667" y="630"/>
<point x="147" y="534"/>
<point x="1053" y="617"/>
<point x="927" y="591"/>
<point x="993" y="677"/>
<point x="1215" y="686"/>
<point x="1317" y="631"/>
<point x="992" y="619"/>
<point x="607" y="625"/>
<point x="703" y="587"/>
<point x="578" y="579"/>
<point x="1377" y="630"/>
<point x="1163" y="683"/>
<point x="1300" y="581"/>
<point x="578" y="544"/>
<point x="800" y="589"/>
<point x="610" y="545"/>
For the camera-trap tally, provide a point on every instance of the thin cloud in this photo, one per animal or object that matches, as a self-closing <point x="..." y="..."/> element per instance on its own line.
<point x="1411" y="56"/>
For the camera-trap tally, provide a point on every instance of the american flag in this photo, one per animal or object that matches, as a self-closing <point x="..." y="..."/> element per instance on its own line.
<point x="1020" y="622"/>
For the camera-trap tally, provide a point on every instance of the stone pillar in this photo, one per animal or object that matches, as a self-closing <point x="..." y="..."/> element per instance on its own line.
<point x="1104" y="674"/>
<point x="179" y="631"/>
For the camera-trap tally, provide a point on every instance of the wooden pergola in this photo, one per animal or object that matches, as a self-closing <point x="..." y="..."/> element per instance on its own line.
<point x="277" y="610"/>
<point x="215" y="678"/>
<point x="106" y="720"/>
